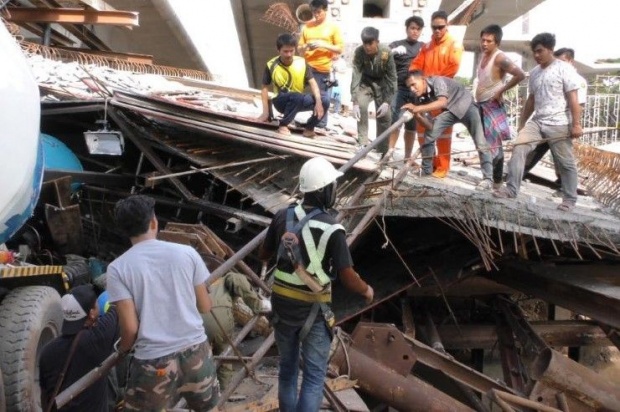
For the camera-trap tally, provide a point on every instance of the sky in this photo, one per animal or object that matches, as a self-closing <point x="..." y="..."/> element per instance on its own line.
<point x="591" y="27"/>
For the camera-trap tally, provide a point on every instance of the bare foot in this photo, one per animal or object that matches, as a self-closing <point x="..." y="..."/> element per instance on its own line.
<point x="284" y="130"/>
<point x="308" y="133"/>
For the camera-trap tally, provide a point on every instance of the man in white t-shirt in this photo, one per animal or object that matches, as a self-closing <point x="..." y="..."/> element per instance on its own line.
<point x="567" y="55"/>
<point x="555" y="117"/>
<point x="159" y="289"/>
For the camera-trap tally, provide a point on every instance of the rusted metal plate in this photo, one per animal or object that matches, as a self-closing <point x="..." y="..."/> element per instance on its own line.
<point x="403" y="392"/>
<point x="385" y="344"/>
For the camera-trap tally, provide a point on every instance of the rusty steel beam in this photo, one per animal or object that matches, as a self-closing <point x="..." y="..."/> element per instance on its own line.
<point x="591" y="290"/>
<point x="436" y="343"/>
<point x="569" y="333"/>
<point x="576" y="380"/>
<point x="450" y="367"/>
<point x="380" y="361"/>
<point x="72" y="16"/>
<point x="512" y="367"/>
<point x="612" y="334"/>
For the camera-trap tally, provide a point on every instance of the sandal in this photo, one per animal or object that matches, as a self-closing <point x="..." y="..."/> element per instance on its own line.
<point x="284" y="130"/>
<point x="566" y="207"/>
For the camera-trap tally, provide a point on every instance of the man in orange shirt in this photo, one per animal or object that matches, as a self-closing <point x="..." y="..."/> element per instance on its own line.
<point x="439" y="57"/>
<point x="320" y="40"/>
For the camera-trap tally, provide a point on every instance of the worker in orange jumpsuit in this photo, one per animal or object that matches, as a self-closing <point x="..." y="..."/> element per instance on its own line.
<point x="439" y="57"/>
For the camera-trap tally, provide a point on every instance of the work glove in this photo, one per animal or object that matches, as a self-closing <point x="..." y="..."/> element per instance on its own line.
<point x="357" y="115"/>
<point x="399" y="50"/>
<point x="383" y="110"/>
<point x="265" y="306"/>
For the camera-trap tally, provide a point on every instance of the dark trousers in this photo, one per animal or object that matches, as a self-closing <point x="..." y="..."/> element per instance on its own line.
<point x="289" y="104"/>
<point x="321" y="80"/>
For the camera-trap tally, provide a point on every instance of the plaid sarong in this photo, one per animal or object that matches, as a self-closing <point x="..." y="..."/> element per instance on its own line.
<point x="495" y="123"/>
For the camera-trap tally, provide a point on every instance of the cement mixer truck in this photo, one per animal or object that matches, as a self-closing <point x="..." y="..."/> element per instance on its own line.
<point x="30" y="311"/>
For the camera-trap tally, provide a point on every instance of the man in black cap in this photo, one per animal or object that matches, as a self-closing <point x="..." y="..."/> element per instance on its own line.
<point x="94" y="337"/>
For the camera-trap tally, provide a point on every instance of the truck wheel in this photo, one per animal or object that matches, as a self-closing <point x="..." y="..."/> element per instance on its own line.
<point x="2" y="399"/>
<point x="29" y="318"/>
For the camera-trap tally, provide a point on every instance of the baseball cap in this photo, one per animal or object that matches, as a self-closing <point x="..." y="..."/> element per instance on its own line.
<point x="75" y="307"/>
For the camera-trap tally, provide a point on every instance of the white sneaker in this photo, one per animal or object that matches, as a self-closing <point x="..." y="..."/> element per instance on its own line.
<point x="486" y="184"/>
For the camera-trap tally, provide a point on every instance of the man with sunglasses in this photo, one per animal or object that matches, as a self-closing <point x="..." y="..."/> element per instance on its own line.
<point x="439" y="57"/>
<point x="319" y="42"/>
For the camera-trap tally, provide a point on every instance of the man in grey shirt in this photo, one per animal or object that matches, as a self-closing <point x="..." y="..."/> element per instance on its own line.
<point x="556" y="118"/>
<point x="457" y="103"/>
<point x="159" y="289"/>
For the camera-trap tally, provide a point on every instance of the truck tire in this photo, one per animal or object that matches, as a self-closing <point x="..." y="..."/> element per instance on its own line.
<point x="2" y="399"/>
<point x="29" y="318"/>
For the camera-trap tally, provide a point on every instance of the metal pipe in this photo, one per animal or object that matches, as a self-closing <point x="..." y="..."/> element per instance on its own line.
<point x="241" y="253"/>
<point x="560" y="372"/>
<point x="404" y="393"/>
<point x="237" y="340"/>
<point x="404" y="118"/>
<point x="378" y="205"/>
<point x="517" y="400"/>
<point x="241" y="373"/>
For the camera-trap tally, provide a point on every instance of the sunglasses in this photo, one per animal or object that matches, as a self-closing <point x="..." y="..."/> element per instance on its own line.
<point x="435" y="28"/>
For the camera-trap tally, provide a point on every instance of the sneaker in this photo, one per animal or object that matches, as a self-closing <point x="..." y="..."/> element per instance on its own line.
<point x="503" y="193"/>
<point x="485" y="184"/>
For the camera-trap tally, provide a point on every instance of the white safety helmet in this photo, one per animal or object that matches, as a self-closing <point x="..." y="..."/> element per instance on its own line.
<point x="317" y="173"/>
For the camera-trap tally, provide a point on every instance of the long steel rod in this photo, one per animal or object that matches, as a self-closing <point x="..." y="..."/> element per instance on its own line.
<point x="241" y="373"/>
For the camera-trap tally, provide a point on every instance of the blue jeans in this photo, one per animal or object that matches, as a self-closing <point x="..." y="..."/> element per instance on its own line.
<point x="472" y="122"/>
<point x="315" y="353"/>
<point x="337" y="97"/>
<point x="562" y="151"/>
<point x="325" y="91"/>
<point x="289" y="104"/>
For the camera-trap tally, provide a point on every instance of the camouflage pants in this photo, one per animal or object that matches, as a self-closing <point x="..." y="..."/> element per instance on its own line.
<point x="157" y="384"/>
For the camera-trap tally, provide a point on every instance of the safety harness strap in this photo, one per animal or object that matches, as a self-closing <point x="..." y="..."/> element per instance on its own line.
<point x="304" y="296"/>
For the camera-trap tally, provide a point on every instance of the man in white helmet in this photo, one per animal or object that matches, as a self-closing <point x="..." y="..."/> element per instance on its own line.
<point x="301" y="291"/>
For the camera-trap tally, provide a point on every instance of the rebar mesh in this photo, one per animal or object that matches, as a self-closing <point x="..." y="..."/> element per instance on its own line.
<point x="601" y="171"/>
<point x="111" y="62"/>
<point x="281" y="15"/>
